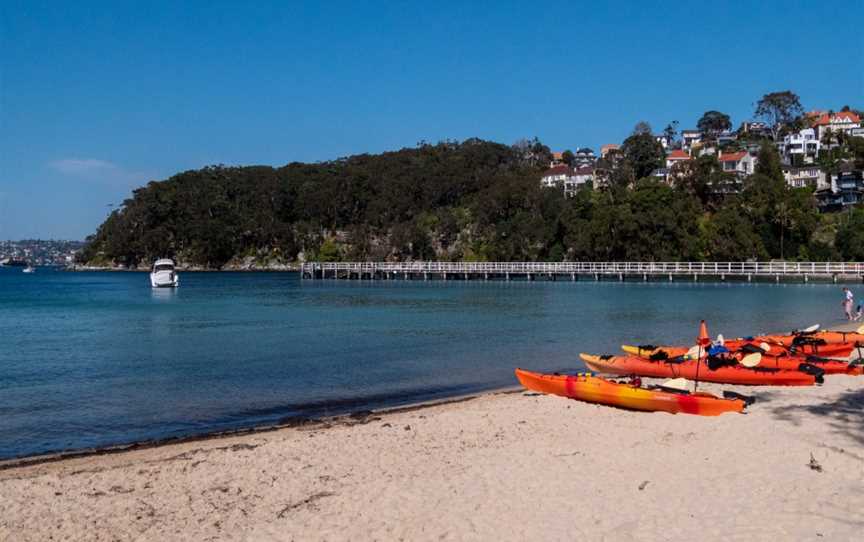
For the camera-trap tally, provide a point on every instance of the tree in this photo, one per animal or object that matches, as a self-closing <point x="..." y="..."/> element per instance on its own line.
<point x="643" y="153"/>
<point x="779" y="109"/>
<point x="768" y="162"/>
<point x="729" y="236"/>
<point x="670" y="132"/>
<point x="568" y="157"/>
<point x="642" y="127"/>
<point x="713" y="122"/>
<point x="850" y="236"/>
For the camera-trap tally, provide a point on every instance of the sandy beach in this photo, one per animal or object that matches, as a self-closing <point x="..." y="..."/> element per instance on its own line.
<point x="509" y="465"/>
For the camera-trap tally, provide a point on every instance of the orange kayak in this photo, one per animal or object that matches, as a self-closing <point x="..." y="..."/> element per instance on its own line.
<point x="594" y="389"/>
<point x="781" y="360"/>
<point x="822" y="343"/>
<point x="633" y="365"/>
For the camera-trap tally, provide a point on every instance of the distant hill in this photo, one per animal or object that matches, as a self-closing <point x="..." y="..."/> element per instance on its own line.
<point x="435" y="201"/>
<point x="469" y="201"/>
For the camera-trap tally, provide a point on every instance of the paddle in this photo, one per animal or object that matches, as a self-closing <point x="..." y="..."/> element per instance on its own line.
<point x="702" y="341"/>
<point x="675" y="384"/>
<point x="695" y="352"/>
<point x="751" y="360"/>
<point x="807" y="330"/>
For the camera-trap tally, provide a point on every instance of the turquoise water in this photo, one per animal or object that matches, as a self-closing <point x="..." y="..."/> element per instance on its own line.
<point x="92" y="359"/>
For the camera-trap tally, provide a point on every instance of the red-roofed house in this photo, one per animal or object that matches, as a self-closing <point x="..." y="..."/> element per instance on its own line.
<point x="556" y="175"/>
<point x="676" y="157"/>
<point x="606" y="149"/>
<point x="740" y="163"/>
<point x="844" y="121"/>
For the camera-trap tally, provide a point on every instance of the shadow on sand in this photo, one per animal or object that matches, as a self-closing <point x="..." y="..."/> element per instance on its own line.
<point x="844" y="416"/>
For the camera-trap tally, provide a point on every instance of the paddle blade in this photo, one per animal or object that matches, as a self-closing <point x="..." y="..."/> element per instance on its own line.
<point x="765" y="346"/>
<point x="751" y="360"/>
<point x="810" y="329"/>
<point x="720" y="340"/>
<point x="860" y="329"/>
<point x="675" y="384"/>
<point x="694" y="353"/>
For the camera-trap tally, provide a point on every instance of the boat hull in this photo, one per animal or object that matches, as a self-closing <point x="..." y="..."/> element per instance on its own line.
<point x="164" y="279"/>
<point x="787" y="362"/>
<point x="598" y="390"/>
<point x="632" y="365"/>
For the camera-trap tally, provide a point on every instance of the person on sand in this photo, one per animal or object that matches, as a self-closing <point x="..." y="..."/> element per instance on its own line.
<point x="847" y="303"/>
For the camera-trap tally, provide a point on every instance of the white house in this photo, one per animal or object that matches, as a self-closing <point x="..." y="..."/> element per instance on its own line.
<point x="799" y="177"/>
<point x="570" y="180"/>
<point x="844" y="121"/>
<point x="725" y="137"/>
<point x="579" y="179"/>
<point x="555" y="176"/>
<point x="690" y="138"/>
<point x="584" y="157"/>
<point x="740" y="163"/>
<point x="804" y="144"/>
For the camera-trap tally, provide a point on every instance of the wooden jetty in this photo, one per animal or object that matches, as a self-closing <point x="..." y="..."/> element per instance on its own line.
<point x="668" y="271"/>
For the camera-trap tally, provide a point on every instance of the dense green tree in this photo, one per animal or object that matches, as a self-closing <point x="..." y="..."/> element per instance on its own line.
<point x="568" y="157"/>
<point x="713" y="122"/>
<point x="768" y="163"/>
<point x="850" y="236"/>
<point x="730" y="237"/>
<point x="642" y="128"/>
<point x="643" y="153"/>
<point x="779" y="109"/>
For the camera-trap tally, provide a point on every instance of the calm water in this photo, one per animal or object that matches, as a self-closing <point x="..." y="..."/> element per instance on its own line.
<point x="91" y="359"/>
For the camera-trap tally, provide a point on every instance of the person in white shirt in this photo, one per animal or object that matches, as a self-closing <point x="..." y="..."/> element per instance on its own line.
<point x="847" y="303"/>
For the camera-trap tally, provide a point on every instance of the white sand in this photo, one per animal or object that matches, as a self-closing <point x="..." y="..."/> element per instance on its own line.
<point x="509" y="466"/>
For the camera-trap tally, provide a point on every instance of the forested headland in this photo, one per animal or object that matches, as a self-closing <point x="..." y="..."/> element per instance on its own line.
<point x="470" y="201"/>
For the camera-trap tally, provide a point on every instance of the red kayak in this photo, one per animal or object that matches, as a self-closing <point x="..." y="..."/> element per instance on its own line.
<point x="781" y="360"/>
<point x="633" y="365"/>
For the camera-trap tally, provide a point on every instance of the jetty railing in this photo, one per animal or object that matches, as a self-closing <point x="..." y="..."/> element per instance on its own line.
<point x="573" y="270"/>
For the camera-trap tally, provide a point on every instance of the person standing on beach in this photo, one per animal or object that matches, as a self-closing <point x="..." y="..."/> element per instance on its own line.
<point x="847" y="303"/>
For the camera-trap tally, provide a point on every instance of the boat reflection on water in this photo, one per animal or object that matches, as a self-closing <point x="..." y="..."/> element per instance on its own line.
<point x="164" y="294"/>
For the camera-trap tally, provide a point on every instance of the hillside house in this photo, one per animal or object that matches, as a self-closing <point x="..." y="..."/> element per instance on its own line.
<point x="740" y="163"/>
<point x="844" y="121"/>
<point x="610" y="147"/>
<point x="584" y="157"/>
<point x="800" y="147"/>
<point x="676" y="157"/>
<point x="566" y="178"/>
<point x="755" y="129"/>
<point x="726" y="137"/>
<point x="689" y="138"/>
<point x="555" y="176"/>
<point x="809" y="176"/>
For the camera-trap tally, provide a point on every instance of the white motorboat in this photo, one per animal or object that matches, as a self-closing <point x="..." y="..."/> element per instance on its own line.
<point x="29" y="269"/>
<point x="164" y="275"/>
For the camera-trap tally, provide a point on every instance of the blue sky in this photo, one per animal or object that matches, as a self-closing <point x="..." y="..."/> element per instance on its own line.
<point x="98" y="98"/>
